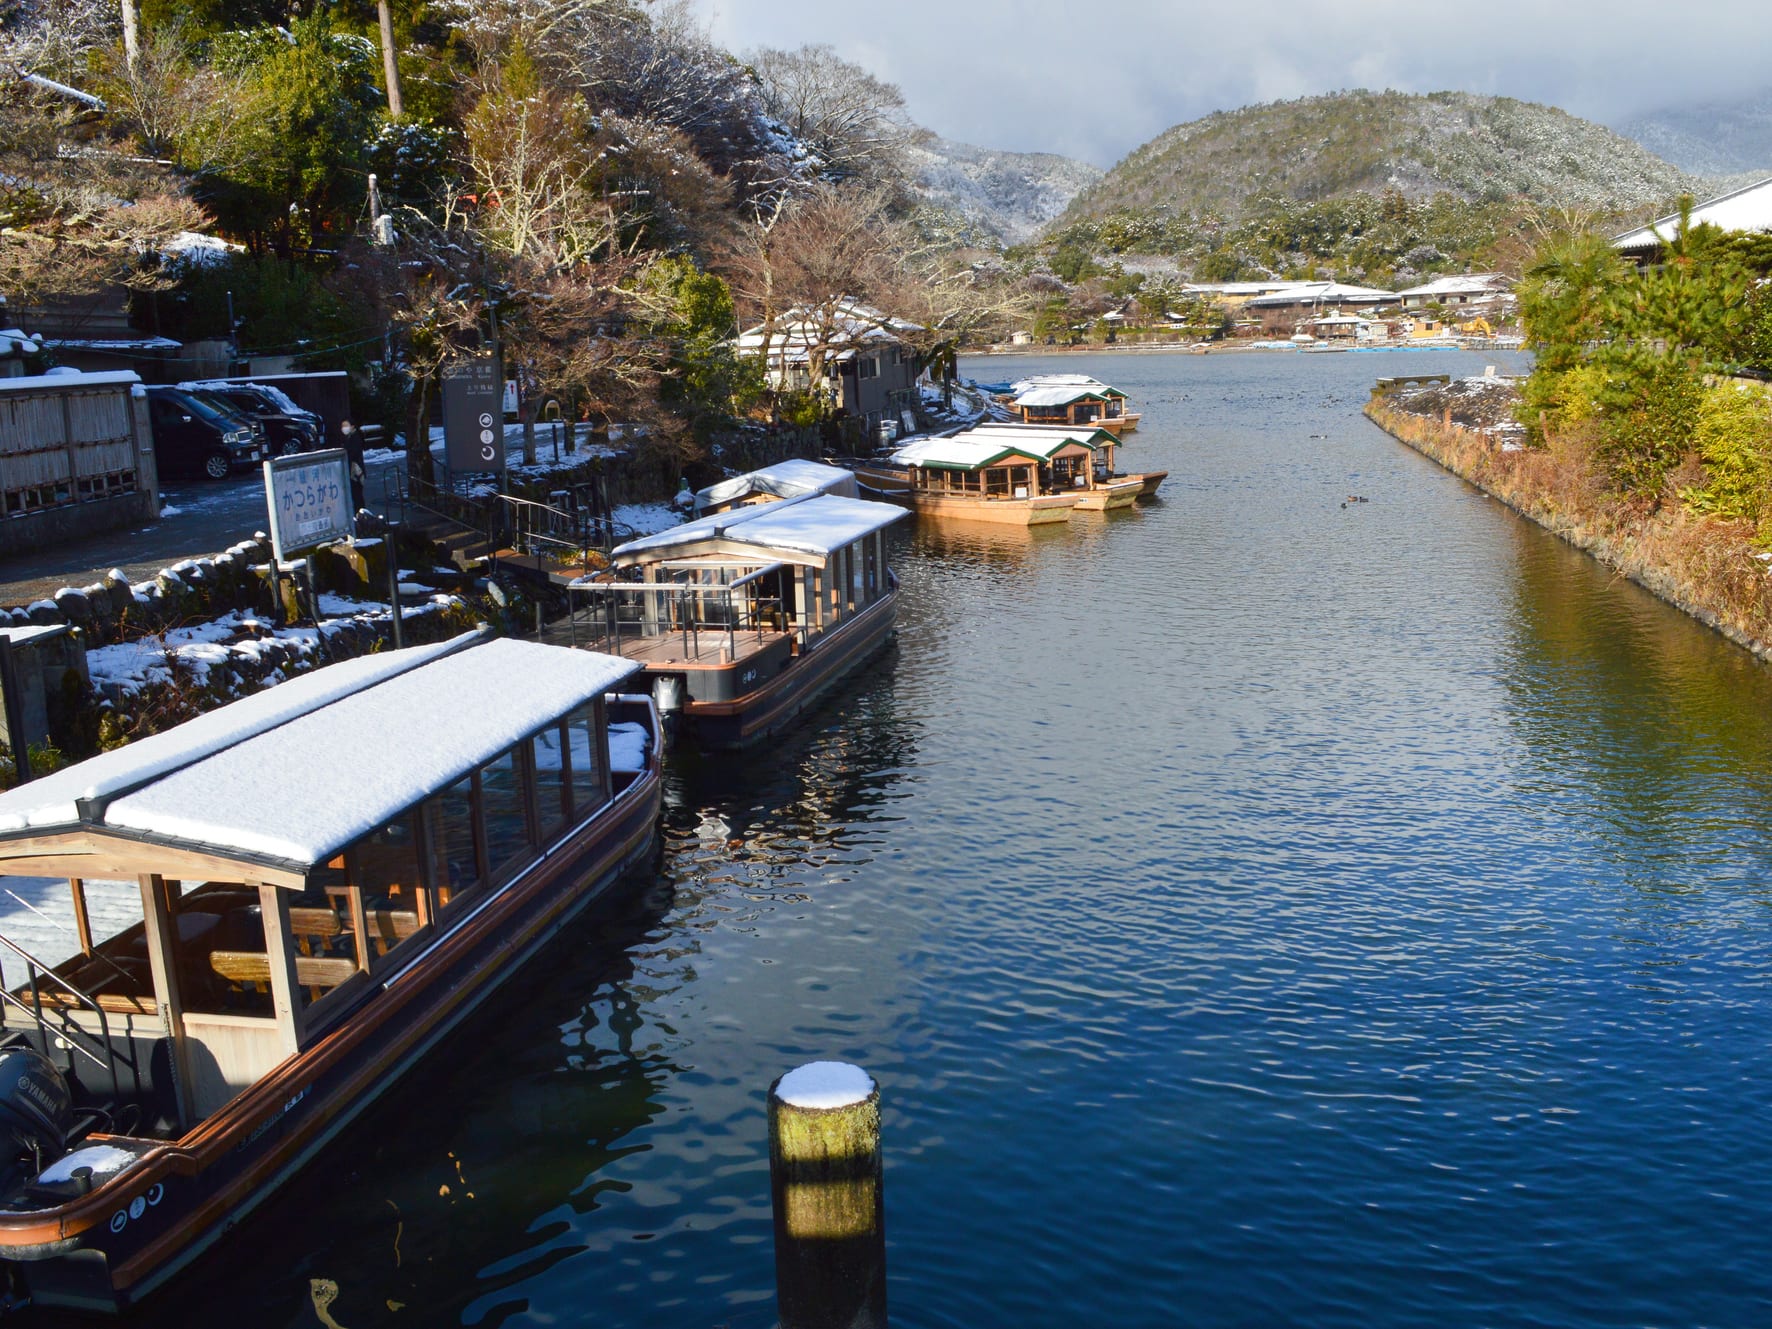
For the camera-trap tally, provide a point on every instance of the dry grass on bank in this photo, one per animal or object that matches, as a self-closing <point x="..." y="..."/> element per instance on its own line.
<point x="1708" y="567"/>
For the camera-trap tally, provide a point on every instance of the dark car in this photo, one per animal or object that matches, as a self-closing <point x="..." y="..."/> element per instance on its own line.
<point x="288" y="428"/>
<point x="199" y="436"/>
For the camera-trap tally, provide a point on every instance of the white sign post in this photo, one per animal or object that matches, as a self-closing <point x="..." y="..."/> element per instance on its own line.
<point x="309" y="496"/>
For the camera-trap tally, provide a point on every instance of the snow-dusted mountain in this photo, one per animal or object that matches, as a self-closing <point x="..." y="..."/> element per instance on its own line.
<point x="1714" y="139"/>
<point x="1010" y="195"/>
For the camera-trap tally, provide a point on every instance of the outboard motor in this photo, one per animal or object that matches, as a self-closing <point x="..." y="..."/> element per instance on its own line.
<point x="36" y="1113"/>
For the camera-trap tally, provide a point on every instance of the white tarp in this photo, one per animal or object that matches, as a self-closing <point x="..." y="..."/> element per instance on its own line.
<point x="785" y="479"/>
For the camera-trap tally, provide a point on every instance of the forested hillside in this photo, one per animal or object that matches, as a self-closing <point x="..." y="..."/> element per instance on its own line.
<point x="593" y="183"/>
<point x="1379" y="188"/>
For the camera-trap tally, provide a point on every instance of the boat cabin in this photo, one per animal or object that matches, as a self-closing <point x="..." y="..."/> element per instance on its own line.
<point x="239" y="888"/>
<point x="1066" y="399"/>
<point x="995" y="462"/>
<point x="726" y="603"/>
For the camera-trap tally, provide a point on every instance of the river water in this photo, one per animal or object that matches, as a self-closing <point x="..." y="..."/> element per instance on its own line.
<point x="1259" y="908"/>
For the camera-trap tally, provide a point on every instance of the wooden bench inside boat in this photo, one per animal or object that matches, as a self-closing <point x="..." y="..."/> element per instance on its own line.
<point x="311" y="971"/>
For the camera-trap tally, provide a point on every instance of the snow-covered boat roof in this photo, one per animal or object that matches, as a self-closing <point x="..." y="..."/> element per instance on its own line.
<point x="785" y="479"/>
<point x="815" y="525"/>
<point x="1055" y="396"/>
<point x="1745" y="209"/>
<point x="974" y="449"/>
<point x="246" y="782"/>
<point x="1042" y="382"/>
<point x="1046" y="437"/>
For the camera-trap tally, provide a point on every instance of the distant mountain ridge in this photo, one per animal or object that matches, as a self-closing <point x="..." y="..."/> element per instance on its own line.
<point x="1008" y="195"/>
<point x="1712" y="138"/>
<point x="1475" y="147"/>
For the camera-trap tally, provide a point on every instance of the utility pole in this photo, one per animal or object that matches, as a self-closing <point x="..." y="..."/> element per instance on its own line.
<point x="390" y="60"/>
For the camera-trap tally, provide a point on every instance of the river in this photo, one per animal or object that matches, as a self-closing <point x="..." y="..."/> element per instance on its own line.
<point x="1259" y="908"/>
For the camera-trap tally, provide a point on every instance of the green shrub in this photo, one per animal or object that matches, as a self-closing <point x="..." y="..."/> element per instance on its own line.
<point x="1651" y="409"/>
<point x="1733" y="436"/>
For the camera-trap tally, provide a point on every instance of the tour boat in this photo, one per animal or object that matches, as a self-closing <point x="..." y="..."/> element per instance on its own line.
<point x="1070" y="399"/>
<point x="744" y="618"/>
<point x="319" y="882"/>
<point x="1098" y="488"/>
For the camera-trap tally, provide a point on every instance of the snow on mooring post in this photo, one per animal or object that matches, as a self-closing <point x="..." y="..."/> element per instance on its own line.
<point x="830" y="1211"/>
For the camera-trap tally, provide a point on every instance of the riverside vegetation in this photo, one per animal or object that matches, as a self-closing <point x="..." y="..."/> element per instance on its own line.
<point x="1645" y="428"/>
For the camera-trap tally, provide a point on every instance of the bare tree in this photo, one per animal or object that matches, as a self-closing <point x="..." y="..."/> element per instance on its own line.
<point x="852" y="122"/>
<point x="178" y="109"/>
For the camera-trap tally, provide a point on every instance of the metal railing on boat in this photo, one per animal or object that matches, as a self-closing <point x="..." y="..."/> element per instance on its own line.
<point x="684" y="604"/>
<point x="66" y="1033"/>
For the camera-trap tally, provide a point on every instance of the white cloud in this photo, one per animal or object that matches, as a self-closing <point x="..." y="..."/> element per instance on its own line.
<point x="1095" y="80"/>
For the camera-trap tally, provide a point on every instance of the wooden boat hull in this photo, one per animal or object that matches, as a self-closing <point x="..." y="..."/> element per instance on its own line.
<point x="1116" y="493"/>
<point x="1041" y="511"/>
<point x="107" y="1250"/>
<point x="1149" y="482"/>
<point x="885" y="481"/>
<point x="799" y="684"/>
<point x="1117" y="425"/>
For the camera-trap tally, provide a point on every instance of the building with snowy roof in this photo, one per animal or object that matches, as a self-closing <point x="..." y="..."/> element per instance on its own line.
<point x="860" y="356"/>
<point x="1456" y="292"/>
<point x="1745" y="209"/>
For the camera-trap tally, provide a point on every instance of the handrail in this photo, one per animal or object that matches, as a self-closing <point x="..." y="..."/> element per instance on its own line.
<point x="749" y="613"/>
<point x="65" y="1029"/>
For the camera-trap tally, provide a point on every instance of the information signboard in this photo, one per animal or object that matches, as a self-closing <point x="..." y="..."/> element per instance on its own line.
<point x="309" y="495"/>
<point x="473" y="415"/>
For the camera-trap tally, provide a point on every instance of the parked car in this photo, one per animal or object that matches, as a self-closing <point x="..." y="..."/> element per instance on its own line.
<point x="288" y="428"/>
<point x="201" y="436"/>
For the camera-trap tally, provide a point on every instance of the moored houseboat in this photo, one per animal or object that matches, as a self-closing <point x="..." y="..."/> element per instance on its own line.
<point x="743" y="619"/>
<point x="1023" y="480"/>
<point x="1096" y="485"/>
<point x="324" y="878"/>
<point x="1070" y="399"/>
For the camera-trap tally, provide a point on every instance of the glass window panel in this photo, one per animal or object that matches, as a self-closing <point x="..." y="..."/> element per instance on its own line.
<point x="325" y="943"/>
<point x="387" y="873"/>
<point x="550" y="780"/>
<point x="219" y="936"/>
<point x="501" y="797"/>
<point x="587" y="782"/>
<point x="451" y="817"/>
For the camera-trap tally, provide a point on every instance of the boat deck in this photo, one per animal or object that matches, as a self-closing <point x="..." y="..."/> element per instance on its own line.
<point x="709" y="648"/>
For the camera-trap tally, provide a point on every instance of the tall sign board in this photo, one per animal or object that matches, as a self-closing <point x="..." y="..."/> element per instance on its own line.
<point x="309" y="495"/>
<point x="473" y="415"/>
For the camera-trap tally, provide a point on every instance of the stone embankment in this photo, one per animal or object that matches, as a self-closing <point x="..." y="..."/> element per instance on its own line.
<point x="1711" y="569"/>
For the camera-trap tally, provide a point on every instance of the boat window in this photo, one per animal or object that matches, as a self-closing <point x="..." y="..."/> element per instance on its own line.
<point x="219" y="949"/>
<point x="586" y="775"/>
<point x="502" y="802"/>
<point x="385" y="870"/>
<point x="327" y="952"/>
<point x="455" y="857"/>
<point x="548" y="752"/>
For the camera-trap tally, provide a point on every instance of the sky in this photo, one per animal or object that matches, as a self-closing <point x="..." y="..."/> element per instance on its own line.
<point x="1095" y="78"/>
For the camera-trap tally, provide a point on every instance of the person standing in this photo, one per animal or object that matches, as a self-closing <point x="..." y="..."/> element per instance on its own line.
<point x="352" y="442"/>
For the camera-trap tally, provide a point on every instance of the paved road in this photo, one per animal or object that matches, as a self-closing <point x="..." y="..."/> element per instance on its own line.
<point x="198" y="518"/>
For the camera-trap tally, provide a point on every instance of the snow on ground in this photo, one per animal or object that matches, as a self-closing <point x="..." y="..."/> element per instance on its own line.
<point x="648" y="518"/>
<point x="132" y="665"/>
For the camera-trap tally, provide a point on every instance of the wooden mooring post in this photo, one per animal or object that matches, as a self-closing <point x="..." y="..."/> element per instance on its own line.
<point x="825" y="1182"/>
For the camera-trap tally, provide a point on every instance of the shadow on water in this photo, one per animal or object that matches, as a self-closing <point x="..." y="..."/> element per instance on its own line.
<point x="1627" y="704"/>
<point x="473" y="1173"/>
<point x="528" y="1163"/>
